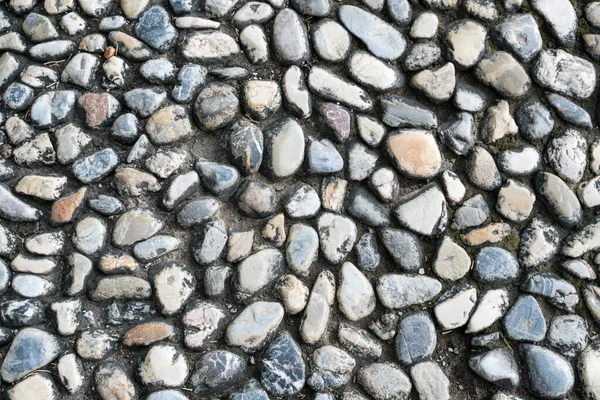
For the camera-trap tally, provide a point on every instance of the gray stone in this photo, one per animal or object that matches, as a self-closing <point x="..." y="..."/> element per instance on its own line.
<point x="398" y="291"/>
<point x="403" y="246"/>
<point x="282" y="369"/>
<point x="365" y="207"/>
<point x="337" y="235"/>
<point x="504" y="74"/>
<point x="559" y="292"/>
<point x="549" y="375"/>
<point x="290" y="38"/>
<point x="410" y="211"/>
<point x="331" y="368"/>
<point x="421" y="55"/>
<point x="561" y="72"/>
<point x="458" y="133"/>
<point x="401" y="112"/>
<point x="561" y="19"/>
<point x="465" y="42"/>
<point x="520" y="35"/>
<point x="525" y="320"/>
<point x="495" y="266"/>
<point x="384" y="381"/>
<point x="569" y="111"/>
<point x="497" y="366"/>
<point x="416" y="338"/>
<point x="559" y="198"/>
<point x="216" y="372"/>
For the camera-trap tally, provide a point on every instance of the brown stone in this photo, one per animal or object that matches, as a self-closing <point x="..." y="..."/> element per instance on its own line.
<point x="147" y="333"/>
<point x="492" y="233"/>
<point x="274" y="230"/>
<point x="116" y="263"/>
<point x="415" y="152"/>
<point x="99" y="108"/>
<point x="65" y="209"/>
<point x="239" y="244"/>
<point x="130" y="47"/>
<point x="333" y="193"/>
<point x="504" y="74"/>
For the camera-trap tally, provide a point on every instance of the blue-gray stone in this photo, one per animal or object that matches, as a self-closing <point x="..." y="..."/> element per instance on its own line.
<point x="559" y="292"/>
<point x="400" y="11"/>
<point x="220" y="180"/>
<point x="154" y="27"/>
<point x="145" y="101"/>
<point x="246" y="146"/>
<point x="400" y="112"/>
<point x="363" y="206"/>
<point x="216" y="106"/>
<point x="208" y="243"/>
<point x="403" y="246"/>
<point x="416" y="338"/>
<point x="323" y="157"/>
<point x="497" y="366"/>
<point x="126" y="128"/>
<point x="534" y="120"/>
<point x="52" y="108"/>
<point x="159" y="71"/>
<point x="457" y="133"/>
<point x="367" y="252"/>
<point x="167" y="395"/>
<point x="18" y="313"/>
<point x="18" y="97"/>
<point x="549" y="375"/>
<point x="474" y="212"/>
<point x="217" y="371"/>
<point x="252" y="390"/>
<point x="106" y="205"/>
<point x="155" y="247"/>
<point x="520" y="35"/>
<point x="570" y="111"/>
<point x="282" y="369"/>
<point x="184" y="6"/>
<point x="190" y="79"/>
<point x="198" y="211"/>
<point x="495" y="266"/>
<point x="16" y="210"/>
<point x="95" y="167"/>
<point x="568" y="334"/>
<point x="486" y="339"/>
<point x="558" y="198"/>
<point x="31" y="349"/>
<point x="525" y="320"/>
<point x="315" y="8"/>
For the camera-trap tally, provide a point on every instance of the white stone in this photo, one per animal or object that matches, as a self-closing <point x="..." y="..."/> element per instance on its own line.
<point x="454" y="311"/>
<point x="491" y="307"/>
<point x="355" y="294"/>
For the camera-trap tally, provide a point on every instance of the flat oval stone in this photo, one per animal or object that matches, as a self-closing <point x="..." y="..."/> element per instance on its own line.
<point x="561" y="72"/>
<point x="330" y="40"/>
<point x="154" y="27"/>
<point x="384" y="381"/>
<point x="559" y="198"/>
<point x="401" y="112"/>
<point x="209" y="47"/>
<point x="465" y="42"/>
<point x="332" y="87"/>
<point x="497" y="366"/>
<point x="549" y="375"/>
<point x="216" y="372"/>
<point x="416" y="338"/>
<point x="362" y="67"/>
<point x="415" y="152"/>
<point x="401" y="290"/>
<point x="290" y="38"/>
<point x="136" y="225"/>
<point x="253" y="327"/>
<point x="504" y="74"/>
<point x="283" y="149"/>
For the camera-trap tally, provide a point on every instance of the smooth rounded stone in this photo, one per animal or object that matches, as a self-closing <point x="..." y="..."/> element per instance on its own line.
<point x="421" y="55"/>
<point x="381" y="39"/>
<point x="403" y="246"/>
<point x="136" y="225"/>
<point x="162" y="365"/>
<point x="336" y="119"/>
<point x="495" y="266"/>
<point x="126" y="128"/>
<point x="190" y="79"/>
<point x="415" y="153"/>
<point x="318" y="309"/>
<point x="504" y="74"/>
<point x="292" y="293"/>
<point x="262" y="98"/>
<point x="220" y="180"/>
<point x="254" y="43"/>
<point x="483" y="9"/>
<point x="145" y="101"/>
<point x="71" y="373"/>
<point x="588" y="193"/>
<point x="77" y="274"/>
<point x="384" y="183"/>
<point x="96" y="344"/>
<point x="549" y="375"/>
<point x="70" y="142"/>
<point x="41" y="187"/>
<point x="359" y="341"/>
<point x="430" y="381"/>
<point x="90" y="235"/>
<point x="410" y="211"/>
<point x="567" y="155"/>
<point x="38" y="386"/>
<point x="424" y="26"/>
<point x="384" y="381"/>
<point x="370" y="130"/>
<point x="520" y="35"/>
<point x="331" y="368"/>
<point x="95" y="167"/>
<point x="290" y="38"/>
<point x="32" y="286"/>
<point x="520" y="161"/>
<point x="361" y="161"/>
<point x="568" y="334"/>
<point x="111" y="23"/>
<point x="251" y="390"/>
<point x="11" y="67"/>
<point x="18" y="97"/>
<point x="154" y="28"/>
<point x="112" y="381"/>
<point x="497" y="123"/>
<point x="469" y="98"/>
<point x="218" y="9"/>
<point x="159" y="71"/>
<point x="253" y="12"/>
<point x="120" y="288"/>
<point x="582" y="241"/>
<point x="246" y="146"/>
<point x="559" y="198"/>
<point x="81" y="70"/>
<point x="297" y="99"/>
<point x="332" y="87"/>
<point x="559" y="292"/>
<point x="216" y="106"/>
<point x="174" y="283"/>
<point x="451" y="261"/>
<point x="215" y="280"/>
<point x="31" y="264"/>
<point x="133" y="182"/>
<point x="106" y="205"/>
<point x="333" y="193"/>
<point x="180" y="189"/>
<point x="73" y="23"/>
<point x="256" y="199"/>
<point x="39" y="28"/>
<point x="363" y="206"/>
<point x="167" y="395"/>
<point x="209" y="47"/>
<point x="482" y="171"/>
<point x="169" y="125"/>
<point x="115" y="71"/>
<point x="515" y="201"/>
<point x="591" y="295"/>
<point x="525" y="320"/>
<point x="454" y="308"/>
<point x="282" y="368"/>
<point x="569" y="111"/>
<point x="362" y="67"/>
<point x="592" y="14"/>
<point x="204" y="322"/>
<point x="52" y="108"/>
<point x="93" y="43"/>
<point x="473" y="212"/>
<point x="198" y="211"/>
<point x="579" y="268"/>
<point x="68" y="314"/>
<point x="561" y="72"/>
<point x="20" y="313"/>
<point x="30" y="349"/>
<point x="497" y="366"/>
<point x="438" y="85"/>
<point x="400" y="12"/>
<point x="465" y="42"/>
<point x="337" y="235"/>
<point x="561" y="19"/>
<point x="253" y="327"/>
<point x="416" y="338"/>
<point x="302" y="248"/>
<point x="14" y="209"/>
<point x="588" y="371"/>
<point x="38" y="77"/>
<point x="355" y="294"/>
<point x="458" y="132"/>
<point x="401" y="112"/>
<point x="117" y="262"/>
<point x="258" y="271"/>
<point x="330" y="40"/>
<point x="208" y="243"/>
<point x="397" y="291"/>
<point x="147" y="333"/>
<point x="491" y="307"/>
<point x="314" y="8"/>
<point x="283" y="149"/>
